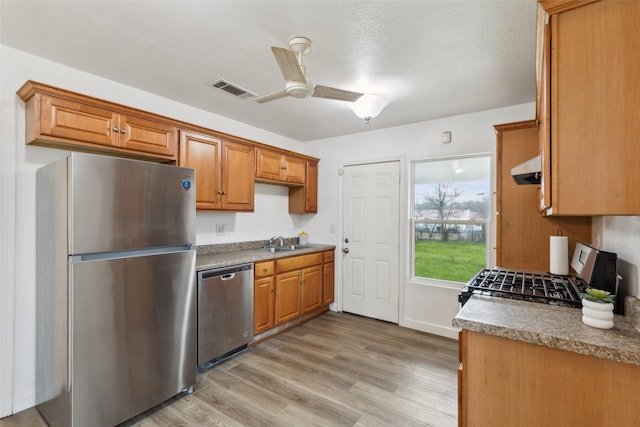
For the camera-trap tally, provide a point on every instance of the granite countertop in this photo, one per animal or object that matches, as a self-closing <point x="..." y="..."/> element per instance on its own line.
<point x="224" y="255"/>
<point x="551" y="326"/>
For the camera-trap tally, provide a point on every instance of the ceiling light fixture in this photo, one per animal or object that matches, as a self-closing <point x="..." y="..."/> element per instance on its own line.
<point x="369" y="106"/>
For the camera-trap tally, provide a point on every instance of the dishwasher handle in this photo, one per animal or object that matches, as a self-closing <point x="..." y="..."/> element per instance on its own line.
<point x="226" y="273"/>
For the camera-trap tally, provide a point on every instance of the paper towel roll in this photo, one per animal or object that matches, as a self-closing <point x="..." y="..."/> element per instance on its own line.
<point x="559" y="255"/>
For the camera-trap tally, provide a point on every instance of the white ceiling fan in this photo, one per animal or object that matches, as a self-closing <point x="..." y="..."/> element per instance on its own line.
<point x="295" y="76"/>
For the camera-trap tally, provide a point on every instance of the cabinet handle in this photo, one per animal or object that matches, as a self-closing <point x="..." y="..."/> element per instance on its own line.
<point x="123" y="130"/>
<point x="116" y="129"/>
<point x="224" y="193"/>
<point x="264" y="270"/>
<point x="272" y="290"/>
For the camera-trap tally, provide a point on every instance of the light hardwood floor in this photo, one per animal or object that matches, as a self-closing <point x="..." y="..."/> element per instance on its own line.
<point x="335" y="370"/>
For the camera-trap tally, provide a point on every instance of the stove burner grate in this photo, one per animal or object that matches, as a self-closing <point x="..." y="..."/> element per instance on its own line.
<point x="535" y="287"/>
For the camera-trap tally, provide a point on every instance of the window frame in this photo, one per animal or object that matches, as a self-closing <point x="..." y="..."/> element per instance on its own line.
<point x="488" y="222"/>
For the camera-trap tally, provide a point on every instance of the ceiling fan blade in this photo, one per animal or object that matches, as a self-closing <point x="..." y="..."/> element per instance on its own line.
<point x="288" y="62"/>
<point x="337" y="94"/>
<point x="271" y="97"/>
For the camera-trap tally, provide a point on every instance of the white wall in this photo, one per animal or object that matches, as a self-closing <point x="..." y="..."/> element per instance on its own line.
<point x="621" y="234"/>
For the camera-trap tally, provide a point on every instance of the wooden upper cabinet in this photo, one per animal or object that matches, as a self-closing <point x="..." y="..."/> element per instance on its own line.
<point x="224" y="171"/>
<point x="238" y="185"/>
<point x="590" y="144"/>
<point x="63" y="119"/>
<point x="305" y="199"/>
<point x="203" y="153"/>
<point x="71" y="120"/>
<point x="278" y="166"/>
<point x="147" y="135"/>
<point x="518" y="220"/>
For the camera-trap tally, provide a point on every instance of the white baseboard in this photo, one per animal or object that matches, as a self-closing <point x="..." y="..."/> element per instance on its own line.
<point x="431" y="328"/>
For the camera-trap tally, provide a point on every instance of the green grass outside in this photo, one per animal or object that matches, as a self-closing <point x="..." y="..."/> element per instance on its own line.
<point x="457" y="261"/>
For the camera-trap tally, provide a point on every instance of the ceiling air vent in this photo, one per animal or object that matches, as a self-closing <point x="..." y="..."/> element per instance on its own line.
<point x="231" y="88"/>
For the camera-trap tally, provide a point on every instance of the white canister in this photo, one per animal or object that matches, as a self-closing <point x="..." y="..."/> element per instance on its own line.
<point x="303" y="238"/>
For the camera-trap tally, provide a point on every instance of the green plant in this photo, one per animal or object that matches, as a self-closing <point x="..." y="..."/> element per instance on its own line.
<point x="597" y="295"/>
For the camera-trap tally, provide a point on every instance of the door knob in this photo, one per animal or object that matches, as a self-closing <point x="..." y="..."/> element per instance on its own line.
<point x="345" y="250"/>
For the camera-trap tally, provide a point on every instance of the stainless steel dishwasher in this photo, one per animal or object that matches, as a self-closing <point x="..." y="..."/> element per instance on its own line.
<point x="225" y="311"/>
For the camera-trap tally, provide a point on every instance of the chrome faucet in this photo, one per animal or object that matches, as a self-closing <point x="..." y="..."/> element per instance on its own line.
<point x="274" y="239"/>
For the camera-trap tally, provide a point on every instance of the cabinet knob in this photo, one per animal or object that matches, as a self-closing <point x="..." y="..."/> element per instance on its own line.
<point x="116" y="129"/>
<point x="123" y="130"/>
<point x="264" y="270"/>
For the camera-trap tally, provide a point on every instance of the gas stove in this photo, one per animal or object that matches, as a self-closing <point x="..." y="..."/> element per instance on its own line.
<point x="593" y="267"/>
<point x="534" y="287"/>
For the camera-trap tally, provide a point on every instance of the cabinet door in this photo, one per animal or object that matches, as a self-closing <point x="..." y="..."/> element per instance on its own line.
<point x="268" y="164"/>
<point x="264" y="304"/>
<point x="148" y="136"/>
<point x="595" y="99"/>
<point x="311" y="288"/>
<point x="311" y="187"/>
<point x="238" y="162"/>
<point x="287" y="296"/>
<point x="294" y="170"/>
<point x="74" y="121"/>
<point x="328" y="283"/>
<point x="202" y="153"/>
<point x="543" y="89"/>
<point x="305" y="199"/>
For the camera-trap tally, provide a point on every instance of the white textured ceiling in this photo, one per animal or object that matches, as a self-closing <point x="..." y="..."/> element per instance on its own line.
<point x="431" y="58"/>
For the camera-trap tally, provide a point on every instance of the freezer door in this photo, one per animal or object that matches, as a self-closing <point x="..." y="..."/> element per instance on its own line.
<point x="120" y="204"/>
<point x="133" y="335"/>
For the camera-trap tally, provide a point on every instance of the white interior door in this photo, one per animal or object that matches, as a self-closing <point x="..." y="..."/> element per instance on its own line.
<point x="370" y="241"/>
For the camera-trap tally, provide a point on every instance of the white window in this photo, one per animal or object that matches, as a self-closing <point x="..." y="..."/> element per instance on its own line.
<point x="450" y="217"/>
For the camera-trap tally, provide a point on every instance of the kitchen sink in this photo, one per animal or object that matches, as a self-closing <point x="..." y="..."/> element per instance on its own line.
<point x="285" y="248"/>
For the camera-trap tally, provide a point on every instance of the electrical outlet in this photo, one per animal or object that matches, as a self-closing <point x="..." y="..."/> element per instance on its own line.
<point x="219" y="229"/>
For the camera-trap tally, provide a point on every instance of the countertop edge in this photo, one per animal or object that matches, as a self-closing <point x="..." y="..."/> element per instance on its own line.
<point x="225" y="259"/>
<point x="538" y="324"/>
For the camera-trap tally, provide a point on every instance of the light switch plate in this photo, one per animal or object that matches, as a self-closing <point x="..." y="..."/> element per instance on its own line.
<point x="446" y="137"/>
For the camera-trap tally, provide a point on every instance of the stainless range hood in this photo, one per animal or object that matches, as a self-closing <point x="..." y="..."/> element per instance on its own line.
<point x="528" y="172"/>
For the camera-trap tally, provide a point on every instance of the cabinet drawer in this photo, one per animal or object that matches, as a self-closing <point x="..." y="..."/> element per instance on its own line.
<point x="262" y="269"/>
<point x="328" y="256"/>
<point x="298" y="262"/>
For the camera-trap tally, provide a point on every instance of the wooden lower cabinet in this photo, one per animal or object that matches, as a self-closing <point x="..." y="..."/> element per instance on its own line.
<point x="503" y="382"/>
<point x="298" y="286"/>
<point x="311" y="288"/>
<point x="263" y="296"/>
<point x="288" y="293"/>
<point x="328" y="280"/>
<point x="287" y="288"/>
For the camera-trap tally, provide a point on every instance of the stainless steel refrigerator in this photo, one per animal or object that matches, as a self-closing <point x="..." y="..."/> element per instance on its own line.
<point x="116" y="300"/>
